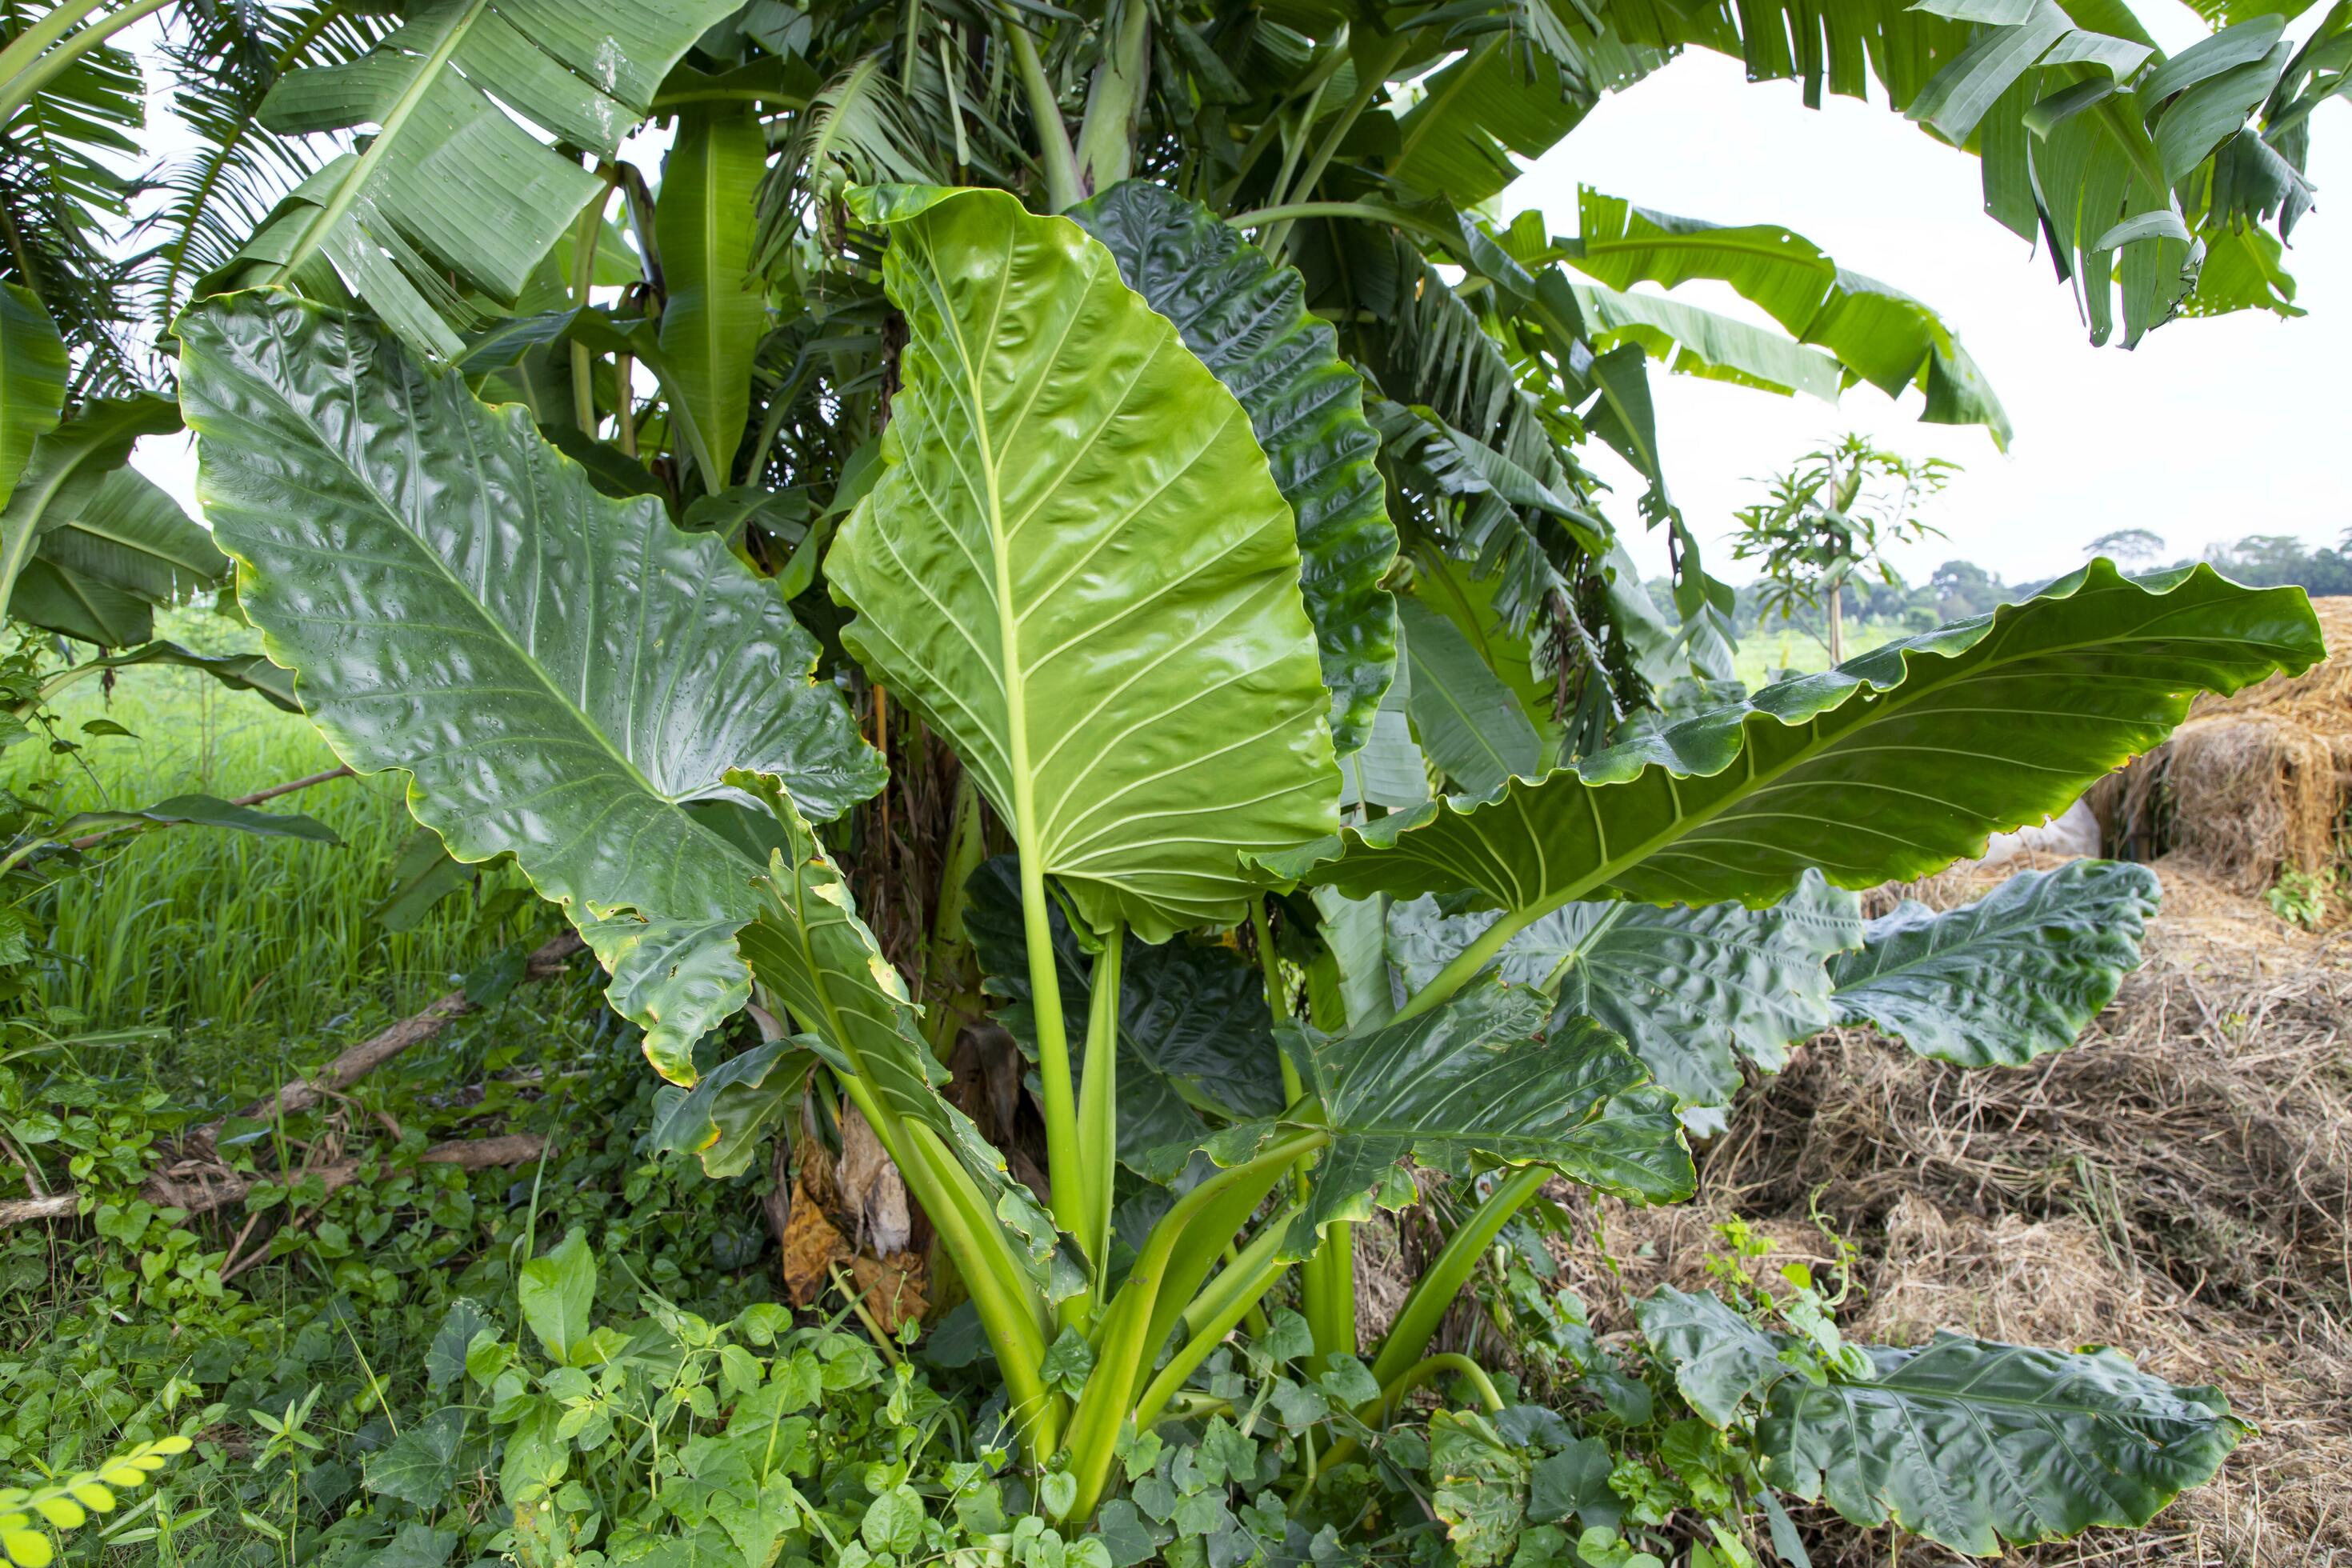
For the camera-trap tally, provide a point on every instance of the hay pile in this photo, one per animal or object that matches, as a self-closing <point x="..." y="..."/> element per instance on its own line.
<point x="2253" y="784"/>
<point x="2179" y="1186"/>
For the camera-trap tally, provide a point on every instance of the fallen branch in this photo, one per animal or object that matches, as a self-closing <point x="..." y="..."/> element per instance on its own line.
<point x="371" y="1053"/>
<point x="200" y="1187"/>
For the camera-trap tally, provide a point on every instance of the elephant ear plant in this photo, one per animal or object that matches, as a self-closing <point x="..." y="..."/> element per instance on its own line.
<point x="1125" y="554"/>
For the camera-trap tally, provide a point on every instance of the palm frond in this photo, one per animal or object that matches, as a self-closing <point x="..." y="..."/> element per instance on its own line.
<point x="223" y="64"/>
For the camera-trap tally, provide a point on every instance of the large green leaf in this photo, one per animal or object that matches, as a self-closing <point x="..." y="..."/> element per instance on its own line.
<point x="32" y="384"/>
<point x="716" y="313"/>
<point x="1478" y="1075"/>
<point x="1892" y="765"/>
<point x="1720" y="1361"/>
<point x="2017" y="974"/>
<point x="1881" y="336"/>
<point x="1076" y="566"/>
<point x="66" y="467"/>
<point x="237" y="672"/>
<point x="809" y="947"/>
<point x="450" y="182"/>
<point x="1971" y="1443"/>
<point x="1194" y="1035"/>
<point x="1694" y="991"/>
<point x="562" y="674"/>
<point x="1245" y="315"/>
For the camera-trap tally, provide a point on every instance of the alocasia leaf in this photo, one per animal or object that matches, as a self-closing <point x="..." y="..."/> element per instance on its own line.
<point x="1719" y="1359"/>
<point x="2019" y="973"/>
<point x="1078" y="567"/>
<point x="1971" y="1444"/>
<point x="1194" y="1033"/>
<point x="1892" y="765"/>
<point x="562" y="674"/>
<point x="1246" y="316"/>
<point x="1691" y="991"/>
<point x="1478" y="1075"/>
<point x="725" y="1117"/>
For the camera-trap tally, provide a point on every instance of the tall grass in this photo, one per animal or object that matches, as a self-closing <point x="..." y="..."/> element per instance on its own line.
<point x="200" y="930"/>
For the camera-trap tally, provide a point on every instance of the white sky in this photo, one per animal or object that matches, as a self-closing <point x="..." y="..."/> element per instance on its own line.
<point x="2210" y="430"/>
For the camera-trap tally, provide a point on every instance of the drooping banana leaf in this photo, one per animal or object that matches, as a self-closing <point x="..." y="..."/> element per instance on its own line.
<point x="809" y="948"/>
<point x="1075" y="564"/>
<point x="32" y="384"/>
<point x="2018" y="973"/>
<point x="66" y="467"/>
<point x="1694" y="991"/>
<point x="1880" y="335"/>
<point x="450" y="182"/>
<point x="1971" y="1444"/>
<point x="716" y="313"/>
<point x="1194" y="1035"/>
<point x="237" y="672"/>
<point x="1472" y="1077"/>
<point x="107" y="558"/>
<point x="1891" y="765"/>
<point x="561" y="674"/>
<point x="1245" y="315"/>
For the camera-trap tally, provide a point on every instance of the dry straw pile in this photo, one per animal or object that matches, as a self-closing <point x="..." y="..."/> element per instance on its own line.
<point x="2253" y="784"/>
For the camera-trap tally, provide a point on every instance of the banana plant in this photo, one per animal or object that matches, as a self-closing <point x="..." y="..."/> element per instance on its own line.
<point x="1101" y="557"/>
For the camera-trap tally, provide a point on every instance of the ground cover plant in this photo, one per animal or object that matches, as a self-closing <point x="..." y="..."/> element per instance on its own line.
<point x="1057" y="542"/>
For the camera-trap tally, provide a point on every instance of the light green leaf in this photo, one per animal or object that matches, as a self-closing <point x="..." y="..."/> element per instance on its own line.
<point x="1469" y="1078"/>
<point x="556" y="1292"/>
<point x="1692" y="340"/>
<point x="32" y="384"/>
<point x="1467" y="718"/>
<point x="1971" y="1443"/>
<point x="450" y="182"/>
<point x="562" y="674"/>
<point x="1246" y="316"/>
<point x="1892" y="766"/>
<point x="716" y="313"/>
<point x="1694" y="991"/>
<point x="1076" y="566"/>
<point x="2020" y="973"/>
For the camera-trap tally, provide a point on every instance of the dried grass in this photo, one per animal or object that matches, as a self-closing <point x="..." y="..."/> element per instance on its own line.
<point x="2254" y="783"/>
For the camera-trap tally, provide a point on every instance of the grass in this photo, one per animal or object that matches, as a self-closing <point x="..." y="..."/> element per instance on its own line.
<point x="1776" y="648"/>
<point x="203" y="930"/>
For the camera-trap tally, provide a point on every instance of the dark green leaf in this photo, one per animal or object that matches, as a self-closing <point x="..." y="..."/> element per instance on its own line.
<point x="1691" y="991"/>
<point x="1469" y="1078"/>
<point x="420" y="1467"/>
<point x="2020" y="973"/>
<point x="445" y="1359"/>
<point x="725" y="1118"/>
<point x="1245" y="315"/>
<point x="1719" y="1359"/>
<point x="1972" y="1443"/>
<point x="1892" y="766"/>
